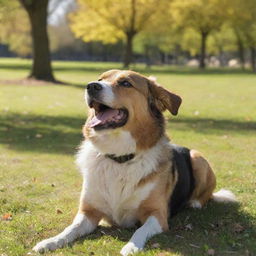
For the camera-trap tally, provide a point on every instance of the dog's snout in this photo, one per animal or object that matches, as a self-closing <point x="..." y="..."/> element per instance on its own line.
<point x="93" y="88"/>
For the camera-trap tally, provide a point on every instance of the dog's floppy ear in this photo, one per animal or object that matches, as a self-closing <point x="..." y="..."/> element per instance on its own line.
<point x="162" y="98"/>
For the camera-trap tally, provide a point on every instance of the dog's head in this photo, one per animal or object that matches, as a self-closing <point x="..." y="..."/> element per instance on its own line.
<point x="125" y="104"/>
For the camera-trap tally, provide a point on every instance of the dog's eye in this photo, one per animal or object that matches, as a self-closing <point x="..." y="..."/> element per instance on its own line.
<point x="125" y="83"/>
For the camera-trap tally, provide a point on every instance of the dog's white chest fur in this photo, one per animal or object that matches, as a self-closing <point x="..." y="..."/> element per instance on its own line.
<point x="112" y="187"/>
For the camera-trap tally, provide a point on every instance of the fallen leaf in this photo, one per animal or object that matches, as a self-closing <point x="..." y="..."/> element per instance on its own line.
<point x="238" y="228"/>
<point x="58" y="211"/>
<point x="211" y="252"/>
<point x="155" y="245"/>
<point x="189" y="227"/>
<point x="7" y="217"/>
<point x="195" y="246"/>
<point x="38" y="136"/>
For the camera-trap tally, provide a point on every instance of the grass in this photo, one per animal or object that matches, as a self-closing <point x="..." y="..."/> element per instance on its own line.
<point x="40" y="129"/>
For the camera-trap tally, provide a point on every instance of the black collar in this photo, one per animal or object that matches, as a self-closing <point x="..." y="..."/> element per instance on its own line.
<point x="120" y="159"/>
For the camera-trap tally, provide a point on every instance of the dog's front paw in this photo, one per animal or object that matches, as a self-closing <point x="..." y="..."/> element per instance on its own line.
<point x="49" y="244"/>
<point x="130" y="248"/>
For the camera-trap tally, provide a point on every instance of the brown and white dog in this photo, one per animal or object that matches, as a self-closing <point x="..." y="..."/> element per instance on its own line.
<point x="132" y="173"/>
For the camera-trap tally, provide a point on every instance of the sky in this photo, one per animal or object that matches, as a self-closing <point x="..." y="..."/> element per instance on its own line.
<point x="58" y="9"/>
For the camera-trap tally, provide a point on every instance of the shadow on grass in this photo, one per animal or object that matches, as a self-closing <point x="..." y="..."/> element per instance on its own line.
<point x="62" y="134"/>
<point x="210" y="125"/>
<point x="102" y="67"/>
<point x="222" y="227"/>
<point x="49" y="134"/>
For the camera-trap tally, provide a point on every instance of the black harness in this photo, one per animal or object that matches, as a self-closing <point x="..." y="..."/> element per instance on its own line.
<point x="185" y="185"/>
<point x="181" y="164"/>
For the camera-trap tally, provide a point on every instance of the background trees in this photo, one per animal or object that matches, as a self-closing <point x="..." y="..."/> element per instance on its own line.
<point x="111" y="20"/>
<point x="150" y="31"/>
<point x="37" y="14"/>
<point x="203" y="16"/>
<point x="15" y="30"/>
<point x="241" y="15"/>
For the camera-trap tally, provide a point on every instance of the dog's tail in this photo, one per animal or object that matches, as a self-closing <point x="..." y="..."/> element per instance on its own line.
<point x="224" y="196"/>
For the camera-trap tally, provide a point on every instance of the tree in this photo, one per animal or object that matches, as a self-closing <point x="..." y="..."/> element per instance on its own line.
<point x="15" y="29"/>
<point x="240" y="46"/>
<point x="111" y="20"/>
<point x="241" y="15"/>
<point x="222" y="41"/>
<point x="203" y="16"/>
<point x="37" y="14"/>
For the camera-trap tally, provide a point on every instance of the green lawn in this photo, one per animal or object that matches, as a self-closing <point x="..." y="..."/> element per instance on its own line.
<point x="40" y="129"/>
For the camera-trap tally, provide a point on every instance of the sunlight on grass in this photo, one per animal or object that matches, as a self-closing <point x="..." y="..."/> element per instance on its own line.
<point x="40" y="130"/>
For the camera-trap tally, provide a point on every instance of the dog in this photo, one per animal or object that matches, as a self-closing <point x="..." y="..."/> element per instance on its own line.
<point x="131" y="171"/>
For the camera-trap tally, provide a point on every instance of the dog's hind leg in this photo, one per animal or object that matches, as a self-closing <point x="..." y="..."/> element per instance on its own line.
<point x="205" y="181"/>
<point x="83" y="224"/>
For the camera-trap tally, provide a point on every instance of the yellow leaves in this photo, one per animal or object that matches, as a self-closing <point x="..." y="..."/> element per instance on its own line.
<point x="15" y="29"/>
<point x="109" y="20"/>
<point x="190" y="41"/>
<point x="199" y="14"/>
<point x="92" y="26"/>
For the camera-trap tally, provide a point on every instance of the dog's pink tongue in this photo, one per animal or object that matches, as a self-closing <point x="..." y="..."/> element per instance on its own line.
<point x="103" y="117"/>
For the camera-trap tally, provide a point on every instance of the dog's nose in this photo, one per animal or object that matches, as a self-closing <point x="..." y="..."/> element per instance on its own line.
<point x="93" y="88"/>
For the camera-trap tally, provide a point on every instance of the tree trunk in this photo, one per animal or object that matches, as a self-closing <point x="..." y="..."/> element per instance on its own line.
<point x="240" y="47"/>
<point x="203" y="50"/>
<point x="253" y="58"/>
<point x="221" y="57"/>
<point x="128" y="50"/>
<point x="37" y="12"/>
<point x="176" y="55"/>
<point x="147" y="56"/>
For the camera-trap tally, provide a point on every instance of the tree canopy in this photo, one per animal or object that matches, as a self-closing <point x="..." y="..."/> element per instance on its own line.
<point x="16" y="29"/>
<point x="198" y="15"/>
<point x="112" y="20"/>
<point x="241" y="15"/>
<point x="153" y="31"/>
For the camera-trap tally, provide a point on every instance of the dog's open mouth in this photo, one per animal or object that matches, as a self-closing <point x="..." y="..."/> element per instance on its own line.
<point x="106" y="117"/>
